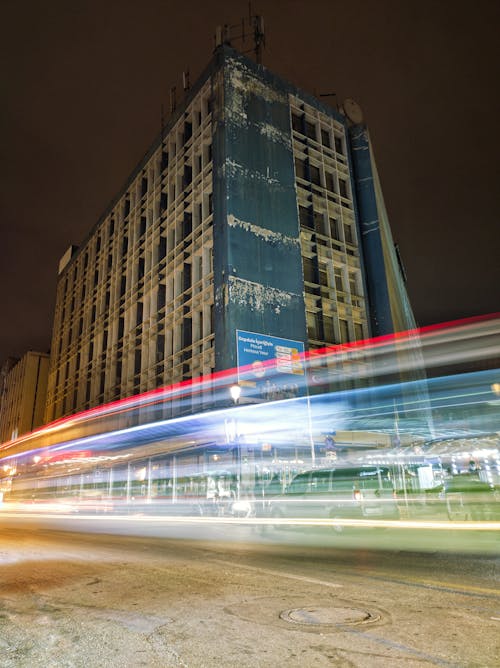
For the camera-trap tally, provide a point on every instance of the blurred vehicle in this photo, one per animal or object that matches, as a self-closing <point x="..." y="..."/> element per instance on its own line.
<point x="347" y="493"/>
<point x="468" y="497"/>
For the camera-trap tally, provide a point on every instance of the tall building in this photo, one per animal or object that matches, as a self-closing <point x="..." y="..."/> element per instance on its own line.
<point x="255" y="219"/>
<point x="23" y="385"/>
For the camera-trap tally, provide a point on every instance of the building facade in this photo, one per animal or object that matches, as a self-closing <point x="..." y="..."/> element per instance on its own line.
<point x="23" y="394"/>
<point x="257" y="210"/>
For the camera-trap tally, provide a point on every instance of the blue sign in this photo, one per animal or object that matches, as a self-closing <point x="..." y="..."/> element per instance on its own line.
<point x="273" y="364"/>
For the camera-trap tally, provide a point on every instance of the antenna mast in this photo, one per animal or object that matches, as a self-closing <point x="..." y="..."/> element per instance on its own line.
<point x="255" y="30"/>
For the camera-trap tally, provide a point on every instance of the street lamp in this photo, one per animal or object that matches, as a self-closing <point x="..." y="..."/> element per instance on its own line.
<point x="235" y="392"/>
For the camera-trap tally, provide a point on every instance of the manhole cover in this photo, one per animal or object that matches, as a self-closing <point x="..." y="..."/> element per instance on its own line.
<point x="328" y="616"/>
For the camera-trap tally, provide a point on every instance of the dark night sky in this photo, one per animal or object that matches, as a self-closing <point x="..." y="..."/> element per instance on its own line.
<point x="83" y="84"/>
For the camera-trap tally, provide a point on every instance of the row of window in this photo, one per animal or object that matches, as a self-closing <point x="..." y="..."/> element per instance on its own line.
<point x="332" y="276"/>
<point x="321" y="133"/>
<point x="102" y="311"/>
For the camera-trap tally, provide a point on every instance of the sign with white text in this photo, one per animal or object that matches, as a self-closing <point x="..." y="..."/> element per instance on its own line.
<point x="270" y="363"/>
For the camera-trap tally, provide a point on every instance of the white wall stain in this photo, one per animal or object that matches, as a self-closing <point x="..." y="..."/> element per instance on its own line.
<point x="233" y="168"/>
<point x="244" y="81"/>
<point x="369" y="227"/>
<point x="274" y="134"/>
<point x="257" y="297"/>
<point x="241" y="84"/>
<point x="264" y="233"/>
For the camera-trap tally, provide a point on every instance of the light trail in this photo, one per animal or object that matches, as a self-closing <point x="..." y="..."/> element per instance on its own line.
<point x="263" y="521"/>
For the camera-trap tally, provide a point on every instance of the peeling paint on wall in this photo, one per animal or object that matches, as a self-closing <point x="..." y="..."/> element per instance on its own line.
<point x="263" y="233"/>
<point x="257" y="297"/>
<point x="274" y="134"/>
<point x="234" y="169"/>
<point x="244" y="81"/>
<point x="257" y="253"/>
<point x="371" y="226"/>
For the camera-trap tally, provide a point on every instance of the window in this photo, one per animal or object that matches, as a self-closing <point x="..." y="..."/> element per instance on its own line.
<point x="160" y="348"/>
<point x="139" y="314"/>
<point x="325" y="138"/>
<point x="348" y="234"/>
<point x="329" y="181"/>
<point x="344" y="330"/>
<point x="162" y="248"/>
<point x="144" y="186"/>
<point x="343" y="189"/>
<point x="352" y="285"/>
<point x="197" y="163"/>
<point x="137" y="362"/>
<point x="297" y="123"/>
<point x="188" y="176"/>
<point x="328" y="329"/>
<point x="309" y="270"/>
<point x="161" y="298"/>
<point x="163" y="202"/>
<point x="313" y="326"/>
<point x="142" y="227"/>
<point x="187" y="332"/>
<point x="186" y="277"/>
<point x="311" y="130"/>
<point x="338" y="145"/>
<point x="300" y="169"/>
<point x="305" y="217"/>
<point x="323" y="275"/>
<point x="319" y="222"/>
<point x="339" y="279"/>
<point x="187" y="226"/>
<point x="334" y="228"/>
<point x="315" y="175"/>
<point x="358" y="331"/>
<point x="140" y="268"/>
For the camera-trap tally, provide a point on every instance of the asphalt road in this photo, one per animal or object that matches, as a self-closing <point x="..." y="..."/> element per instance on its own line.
<point x="71" y="599"/>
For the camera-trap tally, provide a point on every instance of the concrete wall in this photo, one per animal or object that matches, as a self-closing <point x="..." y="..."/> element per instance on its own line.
<point x="257" y="258"/>
<point x="23" y="401"/>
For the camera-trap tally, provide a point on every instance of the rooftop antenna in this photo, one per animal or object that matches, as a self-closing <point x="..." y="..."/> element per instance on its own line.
<point x="222" y="35"/>
<point x="259" y="38"/>
<point x="227" y="33"/>
<point x="331" y="95"/>
<point x="185" y="80"/>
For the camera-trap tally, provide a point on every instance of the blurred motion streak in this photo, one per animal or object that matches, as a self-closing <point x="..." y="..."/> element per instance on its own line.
<point x="396" y="432"/>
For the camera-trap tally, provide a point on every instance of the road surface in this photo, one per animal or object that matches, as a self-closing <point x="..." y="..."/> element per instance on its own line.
<point x="71" y="599"/>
